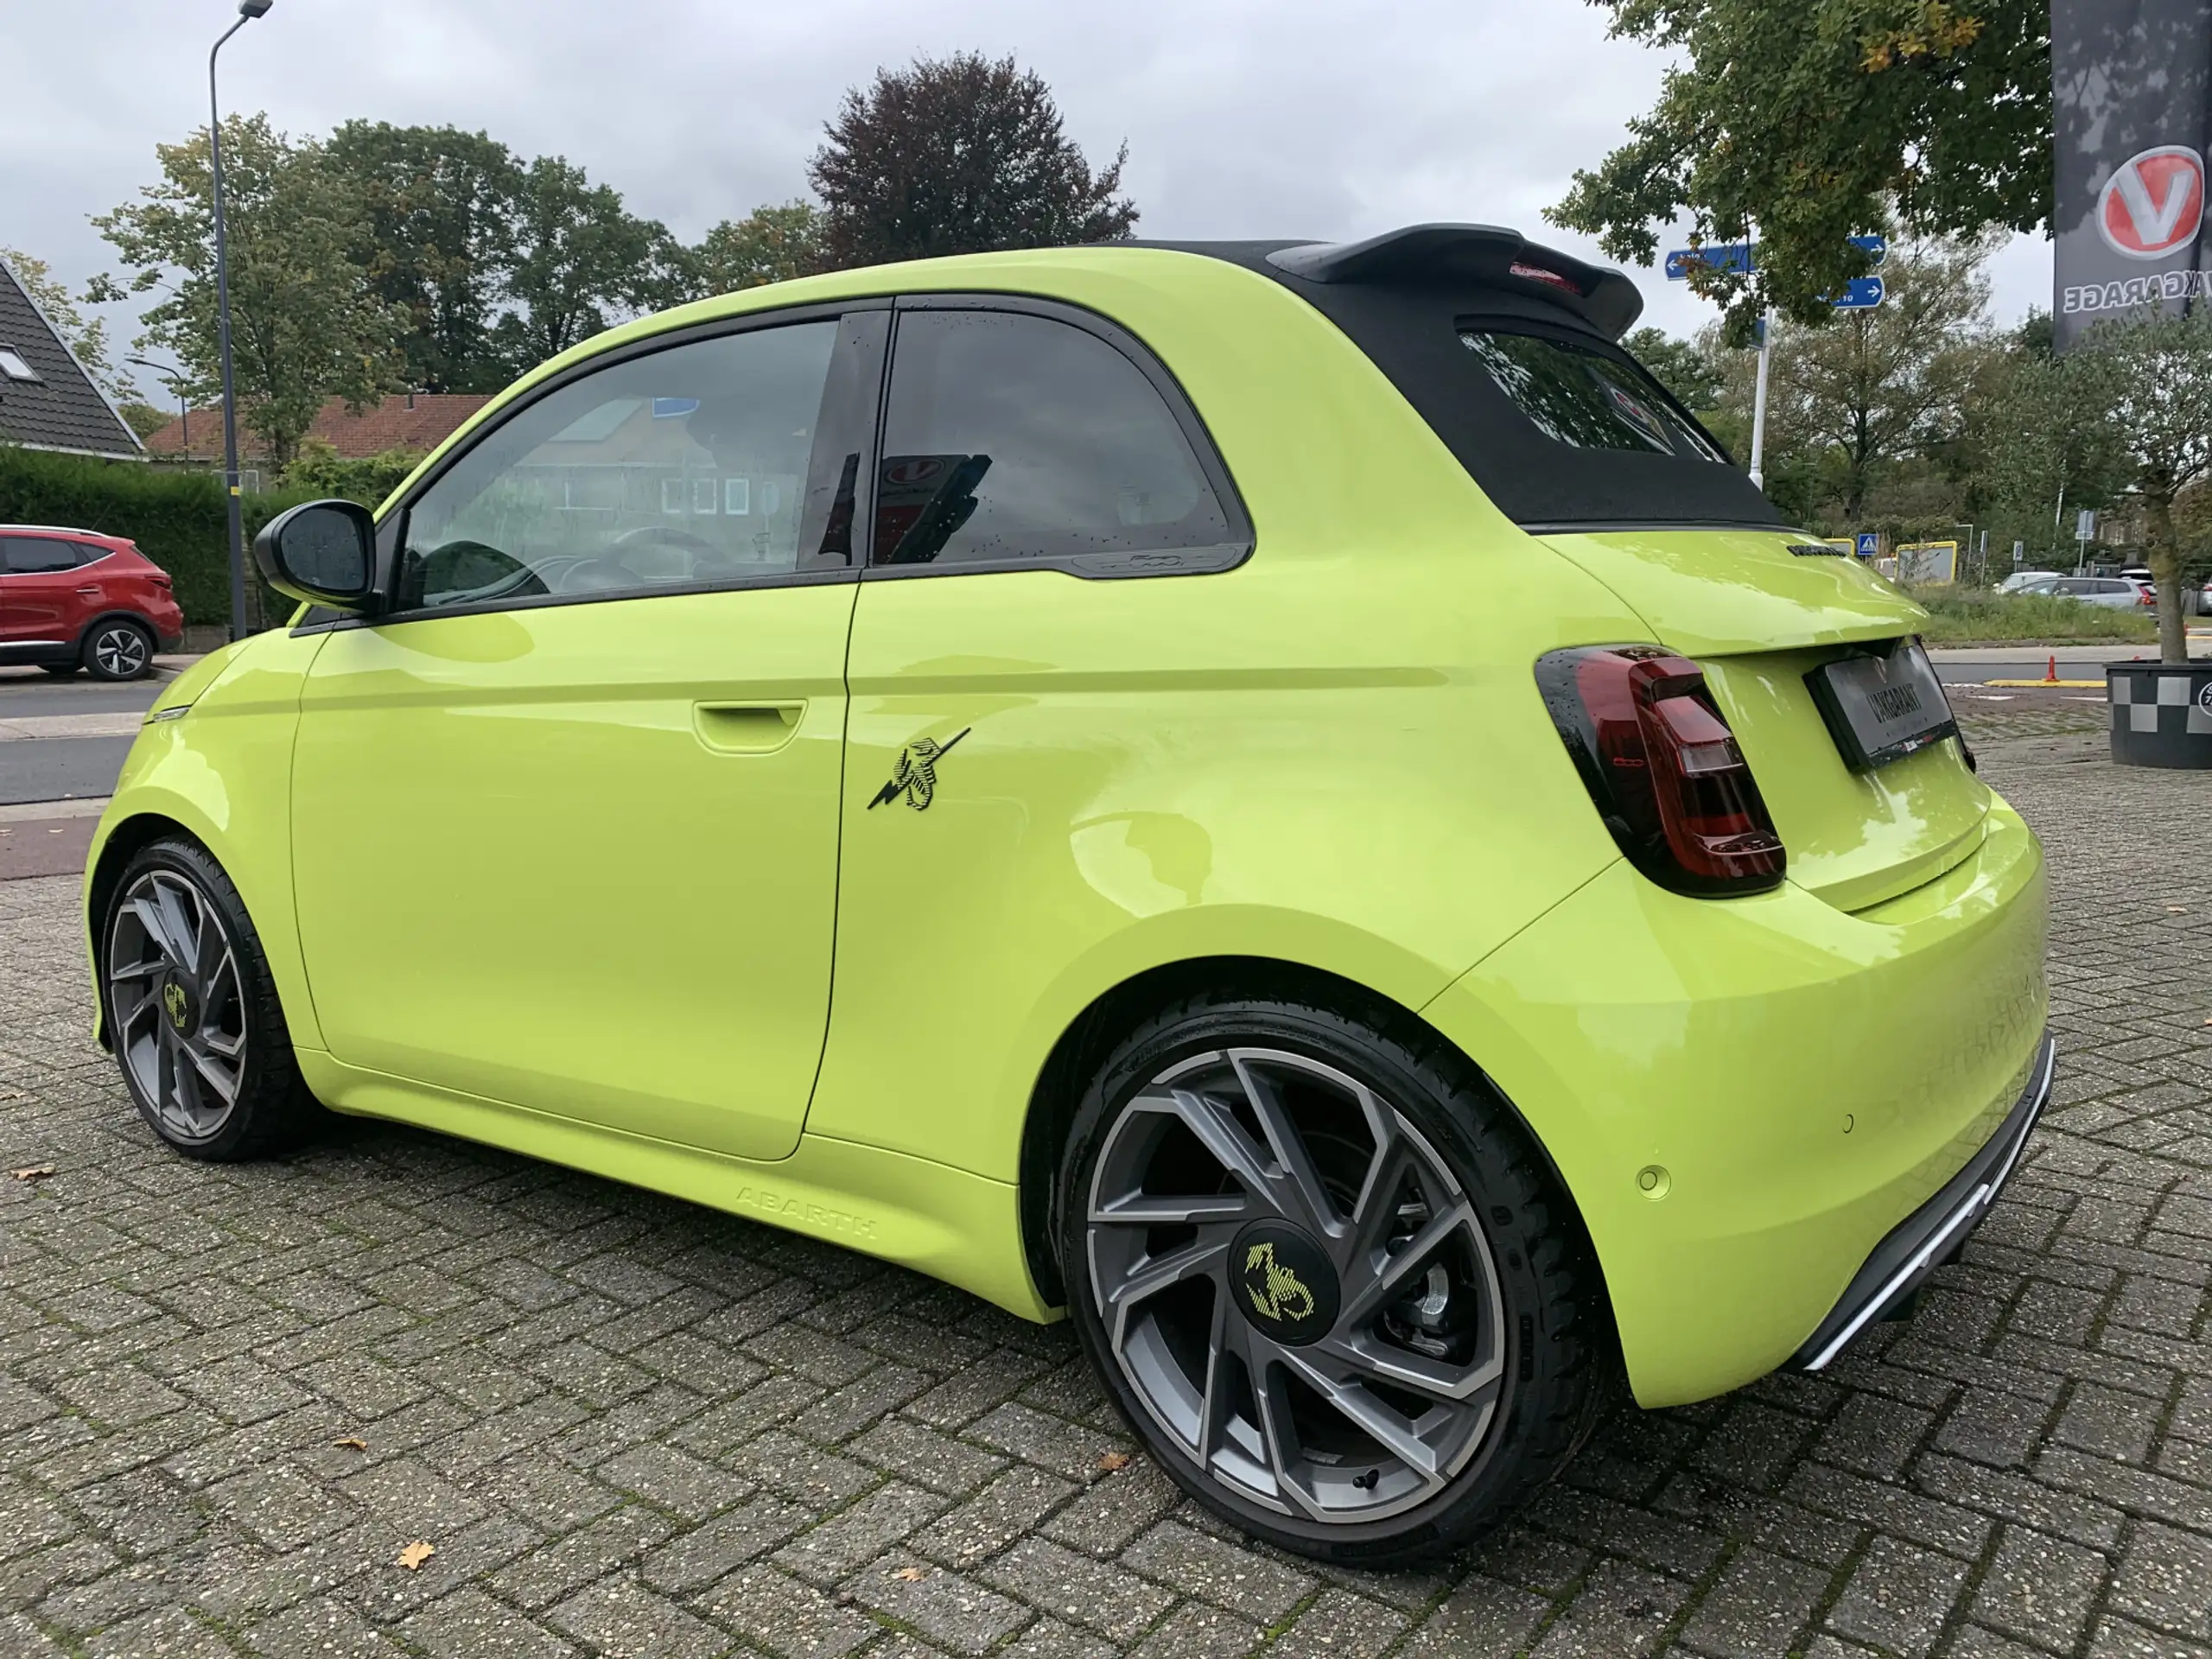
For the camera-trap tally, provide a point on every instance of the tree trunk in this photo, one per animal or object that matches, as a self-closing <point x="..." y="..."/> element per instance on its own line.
<point x="2165" y="571"/>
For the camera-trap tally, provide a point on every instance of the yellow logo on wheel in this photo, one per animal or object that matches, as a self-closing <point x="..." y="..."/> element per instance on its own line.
<point x="173" y="999"/>
<point x="1286" y="1296"/>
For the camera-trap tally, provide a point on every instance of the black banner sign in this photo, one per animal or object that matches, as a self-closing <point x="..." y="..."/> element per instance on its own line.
<point x="2130" y="80"/>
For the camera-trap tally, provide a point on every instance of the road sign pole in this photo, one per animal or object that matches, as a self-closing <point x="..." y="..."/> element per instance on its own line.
<point x="1758" y="402"/>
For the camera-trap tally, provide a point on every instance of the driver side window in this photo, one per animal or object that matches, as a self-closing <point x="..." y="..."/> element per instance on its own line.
<point x="709" y="463"/>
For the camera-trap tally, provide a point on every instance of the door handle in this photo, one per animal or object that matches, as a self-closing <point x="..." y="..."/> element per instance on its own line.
<point x="746" y="728"/>
<point x="88" y="592"/>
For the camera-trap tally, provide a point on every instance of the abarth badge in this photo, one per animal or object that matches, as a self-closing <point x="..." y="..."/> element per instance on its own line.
<point x="916" y="775"/>
<point x="1277" y="1292"/>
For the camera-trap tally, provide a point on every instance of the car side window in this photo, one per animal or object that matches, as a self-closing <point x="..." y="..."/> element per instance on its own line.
<point x="711" y="461"/>
<point x="32" y="556"/>
<point x="1015" y="438"/>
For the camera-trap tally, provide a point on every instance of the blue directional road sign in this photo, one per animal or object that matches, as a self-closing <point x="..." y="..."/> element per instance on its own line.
<point x="1868" y="544"/>
<point x="1875" y="246"/>
<point x="1862" y="294"/>
<point x="1725" y="256"/>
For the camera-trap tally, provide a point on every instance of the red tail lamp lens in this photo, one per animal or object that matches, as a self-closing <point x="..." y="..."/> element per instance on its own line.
<point x="1662" y="767"/>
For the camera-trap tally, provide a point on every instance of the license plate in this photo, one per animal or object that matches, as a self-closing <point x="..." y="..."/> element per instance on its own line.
<point x="1882" y="709"/>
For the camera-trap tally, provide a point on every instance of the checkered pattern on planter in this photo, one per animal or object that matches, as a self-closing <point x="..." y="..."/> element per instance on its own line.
<point x="2160" y="703"/>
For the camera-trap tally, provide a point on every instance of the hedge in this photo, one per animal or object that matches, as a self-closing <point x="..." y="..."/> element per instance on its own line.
<point x="175" y="515"/>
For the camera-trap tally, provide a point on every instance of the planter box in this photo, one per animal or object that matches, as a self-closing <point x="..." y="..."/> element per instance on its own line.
<point x="2161" y="714"/>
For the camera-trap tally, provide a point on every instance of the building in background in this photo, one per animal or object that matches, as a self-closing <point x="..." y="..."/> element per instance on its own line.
<point x="417" y="421"/>
<point x="46" y="400"/>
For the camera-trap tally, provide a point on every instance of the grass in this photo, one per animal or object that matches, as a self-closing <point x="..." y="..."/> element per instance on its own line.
<point x="1973" y="616"/>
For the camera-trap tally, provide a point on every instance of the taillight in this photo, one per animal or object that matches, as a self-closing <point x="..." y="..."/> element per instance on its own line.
<point x="2146" y="597"/>
<point x="160" y="579"/>
<point x="1662" y="767"/>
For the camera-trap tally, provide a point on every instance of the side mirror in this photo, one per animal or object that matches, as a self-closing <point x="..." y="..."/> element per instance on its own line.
<point x="324" y="552"/>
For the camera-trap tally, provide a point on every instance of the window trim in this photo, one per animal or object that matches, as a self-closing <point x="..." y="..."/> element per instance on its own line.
<point x="391" y="528"/>
<point x="1124" y="565"/>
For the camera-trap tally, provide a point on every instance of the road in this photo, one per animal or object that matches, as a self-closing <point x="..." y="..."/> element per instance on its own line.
<point x="65" y="739"/>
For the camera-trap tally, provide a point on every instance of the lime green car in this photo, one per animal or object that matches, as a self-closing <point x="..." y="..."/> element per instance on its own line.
<point x="1284" y="799"/>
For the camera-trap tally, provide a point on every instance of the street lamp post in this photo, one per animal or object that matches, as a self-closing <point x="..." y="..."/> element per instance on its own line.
<point x="177" y="385"/>
<point x="248" y="10"/>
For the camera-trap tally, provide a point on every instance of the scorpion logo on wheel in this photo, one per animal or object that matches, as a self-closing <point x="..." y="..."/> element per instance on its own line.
<point x="1286" y="1296"/>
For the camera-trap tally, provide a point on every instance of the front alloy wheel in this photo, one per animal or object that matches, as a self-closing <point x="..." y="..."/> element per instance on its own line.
<point x="1326" y="1280"/>
<point x="192" y="1011"/>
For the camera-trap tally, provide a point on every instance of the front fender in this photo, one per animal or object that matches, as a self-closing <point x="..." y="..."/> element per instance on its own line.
<point x="214" y="758"/>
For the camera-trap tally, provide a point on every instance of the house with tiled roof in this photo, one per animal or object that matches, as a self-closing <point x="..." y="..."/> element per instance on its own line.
<point x="416" y="420"/>
<point x="46" y="400"/>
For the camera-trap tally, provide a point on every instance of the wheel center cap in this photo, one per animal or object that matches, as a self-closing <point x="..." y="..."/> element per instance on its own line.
<point x="1284" y="1285"/>
<point x="176" y="1002"/>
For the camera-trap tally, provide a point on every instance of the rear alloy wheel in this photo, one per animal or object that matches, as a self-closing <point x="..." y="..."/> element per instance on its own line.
<point x="118" y="650"/>
<point x="191" y="1011"/>
<point x="1326" y="1280"/>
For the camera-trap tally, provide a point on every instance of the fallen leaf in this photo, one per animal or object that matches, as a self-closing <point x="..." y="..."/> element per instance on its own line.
<point x="351" y="1444"/>
<point x="2177" y="910"/>
<point x="1112" y="1461"/>
<point x="35" y="1173"/>
<point x="911" y="1574"/>
<point x="416" y="1554"/>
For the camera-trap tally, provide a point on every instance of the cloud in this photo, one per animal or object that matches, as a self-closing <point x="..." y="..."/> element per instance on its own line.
<point x="1292" y="118"/>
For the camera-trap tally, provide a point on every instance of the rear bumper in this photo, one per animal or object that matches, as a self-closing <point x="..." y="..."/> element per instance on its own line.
<point x="1746" y="1098"/>
<point x="1933" y="1234"/>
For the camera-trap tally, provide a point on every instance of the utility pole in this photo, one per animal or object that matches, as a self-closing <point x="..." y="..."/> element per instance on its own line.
<point x="248" y="10"/>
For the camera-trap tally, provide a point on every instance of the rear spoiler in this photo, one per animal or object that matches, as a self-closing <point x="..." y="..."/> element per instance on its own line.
<point x="1487" y="254"/>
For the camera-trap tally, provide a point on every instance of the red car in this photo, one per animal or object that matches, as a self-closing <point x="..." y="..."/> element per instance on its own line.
<point x="73" y="599"/>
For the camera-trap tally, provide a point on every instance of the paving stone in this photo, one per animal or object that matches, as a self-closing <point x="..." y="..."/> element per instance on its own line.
<point x="2166" y="1580"/>
<point x="1481" y="1616"/>
<point x="1623" y="1610"/>
<point x="170" y="1633"/>
<point x="622" y="1619"/>
<point x="469" y="1624"/>
<point x="790" y="1619"/>
<point x="858" y="1535"/>
<point x="1899" y="1597"/>
<point x="1113" y="1602"/>
<point x="948" y="1608"/>
<point x="1758" y="1608"/>
<point x="1222" y="1573"/>
<point x="705" y="1553"/>
<point x="325" y="1628"/>
<point x="2039" y="1588"/>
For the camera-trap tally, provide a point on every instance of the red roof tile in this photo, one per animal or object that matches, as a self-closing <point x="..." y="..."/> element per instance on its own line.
<point x="421" y="422"/>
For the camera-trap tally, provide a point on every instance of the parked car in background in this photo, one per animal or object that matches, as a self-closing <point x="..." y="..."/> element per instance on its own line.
<point x="73" y="599"/>
<point x="2019" y="581"/>
<point x="2107" y="593"/>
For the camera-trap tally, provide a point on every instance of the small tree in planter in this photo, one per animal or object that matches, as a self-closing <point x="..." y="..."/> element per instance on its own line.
<point x="2153" y="377"/>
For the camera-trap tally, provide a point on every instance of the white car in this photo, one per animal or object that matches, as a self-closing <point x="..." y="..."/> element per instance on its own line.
<point x="2022" y="579"/>
<point x="2107" y="593"/>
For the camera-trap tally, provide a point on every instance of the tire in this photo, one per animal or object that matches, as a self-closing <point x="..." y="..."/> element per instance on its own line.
<point x="118" y="649"/>
<point x="192" y="1010"/>
<point x="1486" y="1317"/>
<point x="60" y="670"/>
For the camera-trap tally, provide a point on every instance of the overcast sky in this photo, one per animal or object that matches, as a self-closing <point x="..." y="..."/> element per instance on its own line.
<point x="1244" y="117"/>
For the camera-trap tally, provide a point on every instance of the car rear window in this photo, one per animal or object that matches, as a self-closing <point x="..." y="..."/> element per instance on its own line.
<point x="1587" y="398"/>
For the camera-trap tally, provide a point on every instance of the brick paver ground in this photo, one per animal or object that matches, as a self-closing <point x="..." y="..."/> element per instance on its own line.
<point x="228" y="1397"/>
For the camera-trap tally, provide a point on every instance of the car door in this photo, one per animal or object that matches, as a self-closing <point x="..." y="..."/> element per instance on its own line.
<point x="1023" y="647"/>
<point x="39" y="602"/>
<point x="566" y="819"/>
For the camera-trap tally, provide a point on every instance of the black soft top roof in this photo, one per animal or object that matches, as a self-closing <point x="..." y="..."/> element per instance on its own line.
<point x="1404" y="298"/>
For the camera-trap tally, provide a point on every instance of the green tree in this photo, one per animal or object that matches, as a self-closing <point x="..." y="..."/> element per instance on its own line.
<point x="306" y="325"/>
<point x="437" y="236"/>
<point x="1685" y="367"/>
<point x="580" y="262"/>
<point x="1874" y="388"/>
<point x="2038" y="433"/>
<point x="959" y="155"/>
<point x="1810" y="123"/>
<point x="87" y="338"/>
<point x="2155" y="374"/>
<point x="143" y="418"/>
<point x="769" y="244"/>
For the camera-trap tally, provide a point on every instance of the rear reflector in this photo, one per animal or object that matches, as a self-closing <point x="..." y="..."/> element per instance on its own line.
<point x="1662" y="767"/>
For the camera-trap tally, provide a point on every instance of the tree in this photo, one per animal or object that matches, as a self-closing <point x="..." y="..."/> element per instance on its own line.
<point x="1877" y="387"/>
<point x="2155" y="376"/>
<point x="1809" y="124"/>
<point x="142" y="418"/>
<point x="580" y="262"/>
<point x="769" y="244"/>
<point x="959" y="155"/>
<point x="436" y="235"/>
<point x="87" y="340"/>
<point x="1685" y="368"/>
<point x="305" y="326"/>
<point x="2038" y="432"/>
